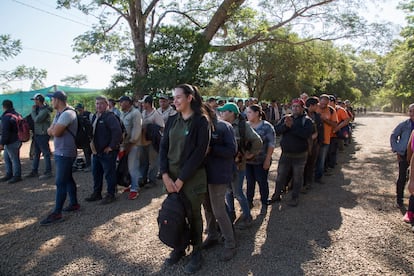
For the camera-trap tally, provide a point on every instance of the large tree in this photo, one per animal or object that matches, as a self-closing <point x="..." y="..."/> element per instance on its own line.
<point x="219" y="26"/>
<point x="9" y="47"/>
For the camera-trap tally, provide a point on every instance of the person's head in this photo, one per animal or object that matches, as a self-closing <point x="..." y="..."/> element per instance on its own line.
<point x="59" y="99"/>
<point x="101" y="104"/>
<point x="7" y="104"/>
<point x="125" y="102"/>
<point x="229" y="112"/>
<point x="187" y="96"/>
<point x="273" y="103"/>
<point x="312" y="104"/>
<point x="164" y="102"/>
<point x="254" y="113"/>
<point x="80" y="107"/>
<point x="323" y="101"/>
<point x="212" y="102"/>
<point x="297" y="107"/>
<point x="411" y="111"/>
<point x="332" y="100"/>
<point x="111" y="103"/>
<point x="240" y="104"/>
<point x="38" y="99"/>
<point x="304" y="96"/>
<point x="147" y="102"/>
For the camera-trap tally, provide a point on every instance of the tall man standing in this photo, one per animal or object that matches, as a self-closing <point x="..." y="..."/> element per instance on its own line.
<point x="41" y="119"/>
<point x="63" y="125"/>
<point x="132" y="120"/>
<point x="107" y="136"/>
<point x="399" y="139"/>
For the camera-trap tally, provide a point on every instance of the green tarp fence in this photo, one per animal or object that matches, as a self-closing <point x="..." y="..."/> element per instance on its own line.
<point x="23" y="104"/>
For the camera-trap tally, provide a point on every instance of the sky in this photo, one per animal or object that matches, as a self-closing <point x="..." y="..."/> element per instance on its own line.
<point x="47" y="36"/>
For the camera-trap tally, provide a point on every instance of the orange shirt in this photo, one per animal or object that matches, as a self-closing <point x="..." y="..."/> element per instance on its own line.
<point x="328" y="114"/>
<point x="342" y="115"/>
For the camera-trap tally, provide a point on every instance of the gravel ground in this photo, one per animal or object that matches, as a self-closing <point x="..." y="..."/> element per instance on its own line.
<point x="346" y="227"/>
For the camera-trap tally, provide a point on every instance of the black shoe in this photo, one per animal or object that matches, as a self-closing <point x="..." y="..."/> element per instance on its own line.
<point x="14" y="179"/>
<point x="175" y="257"/>
<point x="195" y="262"/>
<point x="273" y="199"/>
<point x="209" y="243"/>
<point x="108" y="199"/>
<point x="94" y="197"/>
<point x="31" y="174"/>
<point x="6" y="178"/>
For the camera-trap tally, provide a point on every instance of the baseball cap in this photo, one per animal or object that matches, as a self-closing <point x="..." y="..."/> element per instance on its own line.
<point x="38" y="96"/>
<point x="58" y="95"/>
<point x="332" y="98"/>
<point x="125" y="98"/>
<point x="146" y="99"/>
<point x="298" y="101"/>
<point x="232" y="107"/>
<point x="79" y="106"/>
<point x="163" y="96"/>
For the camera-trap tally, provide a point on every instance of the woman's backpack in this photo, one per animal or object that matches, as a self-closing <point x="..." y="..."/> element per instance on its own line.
<point x="174" y="221"/>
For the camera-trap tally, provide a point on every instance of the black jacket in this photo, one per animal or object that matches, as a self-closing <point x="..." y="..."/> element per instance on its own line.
<point x="108" y="132"/>
<point x="295" y="138"/>
<point x="9" y="127"/>
<point x="194" y="152"/>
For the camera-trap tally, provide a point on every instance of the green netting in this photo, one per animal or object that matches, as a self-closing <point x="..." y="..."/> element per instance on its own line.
<point x="23" y="104"/>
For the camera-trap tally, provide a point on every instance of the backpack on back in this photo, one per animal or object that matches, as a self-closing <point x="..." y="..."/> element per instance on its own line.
<point x="23" y="127"/>
<point x="174" y="221"/>
<point x="84" y="133"/>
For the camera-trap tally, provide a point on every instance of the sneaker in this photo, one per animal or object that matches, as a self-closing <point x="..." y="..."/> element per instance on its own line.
<point x="408" y="217"/>
<point x="94" y="197"/>
<point x="31" y="174"/>
<point x="195" y="262"/>
<point x="127" y="190"/>
<point x="45" y="176"/>
<point x="108" y="199"/>
<point x="6" y="178"/>
<point x="14" y="179"/>
<point x="71" y="208"/>
<point x="132" y="195"/>
<point x="209" y="243"/>
<point x="228" y="254"/>
<point x="293" y="202"/>
<point x="175" y="257"/>
<point x="52" y="218"/>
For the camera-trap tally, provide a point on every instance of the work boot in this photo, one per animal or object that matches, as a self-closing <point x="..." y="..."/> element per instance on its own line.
<point x="195" y="262"/>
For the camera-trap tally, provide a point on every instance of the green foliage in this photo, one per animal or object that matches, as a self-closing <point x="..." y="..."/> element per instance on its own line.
<point x="77" y="80"/>
<point x="23" y="72"/>
<point x="8" y="47"/>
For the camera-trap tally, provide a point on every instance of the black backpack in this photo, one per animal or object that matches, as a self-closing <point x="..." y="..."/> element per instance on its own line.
<point x="174" y="221"/>
<point x="84" y="133"/>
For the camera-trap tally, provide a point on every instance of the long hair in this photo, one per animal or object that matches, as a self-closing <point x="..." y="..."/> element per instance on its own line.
<point x="258" y="108"/>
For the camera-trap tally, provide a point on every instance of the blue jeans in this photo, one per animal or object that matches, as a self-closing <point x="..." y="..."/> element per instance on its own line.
<point x="104" y="164"/>
<point x="65" y="184"/>
<point x="12" y="159"/>
<point x="287" y="165"/>
<point x="236" y="190"/>
<point x="148" y="163"/>
<point x="257" y="173"/>
<point x="133" y="168"/>
<point x="320" y="163"/>
<point x="41" y="145"/>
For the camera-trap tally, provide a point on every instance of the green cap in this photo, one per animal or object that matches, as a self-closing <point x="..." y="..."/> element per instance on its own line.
<point x="232" y="107"/>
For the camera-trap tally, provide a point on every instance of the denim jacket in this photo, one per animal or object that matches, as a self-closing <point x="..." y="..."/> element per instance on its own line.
<point x="400" y="136"/>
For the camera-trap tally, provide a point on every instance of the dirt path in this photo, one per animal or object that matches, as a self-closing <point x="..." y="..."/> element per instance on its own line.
<point x="346" y="227"/>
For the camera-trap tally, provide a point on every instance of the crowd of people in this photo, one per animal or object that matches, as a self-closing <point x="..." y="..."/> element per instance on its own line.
<point x="205" y="150"/>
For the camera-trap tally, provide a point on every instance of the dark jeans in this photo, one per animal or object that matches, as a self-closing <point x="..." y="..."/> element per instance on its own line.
<point x="402" y="177"/>
<point x="12" y="159"/>
<point x="411" y="203"/>
<point x="331" y="159"/>
<point x="41" y="146"/>
<point x="320" y="162"/>
<point x="310" y="165"/>
<point x="257" y="173"/>
<point x="296" y="166"/>
<point x="65" y="184"/>
<point x="104" y="164"/>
